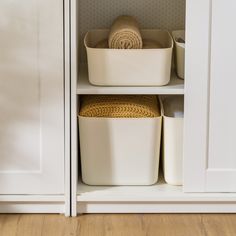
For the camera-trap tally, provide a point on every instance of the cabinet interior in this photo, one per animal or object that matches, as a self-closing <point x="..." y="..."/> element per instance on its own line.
<point x="152" y="14"/>
<point x="157" y="191"/>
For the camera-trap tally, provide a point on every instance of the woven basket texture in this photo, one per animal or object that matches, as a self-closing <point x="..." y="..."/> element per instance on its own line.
<point x="119" y="106"/>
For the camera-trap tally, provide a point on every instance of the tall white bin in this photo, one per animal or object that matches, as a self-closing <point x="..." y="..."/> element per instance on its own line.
<point x="120" y="151"/>
<point x="173" y="112"/>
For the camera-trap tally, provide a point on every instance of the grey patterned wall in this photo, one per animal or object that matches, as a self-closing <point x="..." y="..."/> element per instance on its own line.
<point x="160" y="14"/>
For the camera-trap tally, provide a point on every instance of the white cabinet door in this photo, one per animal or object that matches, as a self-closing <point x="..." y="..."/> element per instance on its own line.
<point x="31" y="97"/>
<point x="210" y="143"/>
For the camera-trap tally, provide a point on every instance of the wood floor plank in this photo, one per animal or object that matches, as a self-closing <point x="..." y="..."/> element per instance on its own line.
<point x="9" y="224"/>
<point x="173" y="225"/>
<point x="124" y="225"/>
<point x="55" y="225"/>
<point x="91" y="225"/>
<point x="220" y="225"/>
<point x="29" y="225"/>
<point x="71" y="227"/>
<point x="119" y="225"/>
<point x="140" y="225"/>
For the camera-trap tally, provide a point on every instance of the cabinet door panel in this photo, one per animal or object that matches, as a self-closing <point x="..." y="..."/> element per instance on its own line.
<point x="221" y="165"/>
<point x="222" y="118"/>
<point x="210" y="159"/>
<point x="31" y="97"/>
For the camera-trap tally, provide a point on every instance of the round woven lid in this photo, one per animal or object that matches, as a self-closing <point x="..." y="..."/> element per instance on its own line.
<point x="119" y="106"/>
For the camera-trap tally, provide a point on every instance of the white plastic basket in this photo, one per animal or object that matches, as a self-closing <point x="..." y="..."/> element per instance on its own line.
<point x="120" y="151"/>
<point x="179" y="52"/>
<point x="133" y="67"/>
<point x="172" y="149"/>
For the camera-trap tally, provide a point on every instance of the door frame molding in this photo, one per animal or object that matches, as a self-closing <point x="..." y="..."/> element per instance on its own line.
<point x="196" y="127"/>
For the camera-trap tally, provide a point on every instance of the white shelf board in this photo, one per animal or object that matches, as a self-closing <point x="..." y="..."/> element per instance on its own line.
<point x="160" y="192"/>
<point x="176" y="86"/>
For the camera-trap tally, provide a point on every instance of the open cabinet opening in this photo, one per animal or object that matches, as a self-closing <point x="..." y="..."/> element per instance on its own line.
<point x="155" y="15"/>
<point x="152" y="15"/>
<point x="168" y="164"/>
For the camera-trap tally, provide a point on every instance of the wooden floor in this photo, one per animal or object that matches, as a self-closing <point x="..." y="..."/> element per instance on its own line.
<point x="118" y="225"/>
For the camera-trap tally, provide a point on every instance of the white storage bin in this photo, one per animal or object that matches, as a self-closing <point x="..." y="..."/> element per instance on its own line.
<point x="129" y="67"/>
<point x="120" y="151"/>
<point x="179" y="52"/>
<point x="173" y="111"/>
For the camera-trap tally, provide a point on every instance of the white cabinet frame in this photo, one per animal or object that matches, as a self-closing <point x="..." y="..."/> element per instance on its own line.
<point x="160" y="199"/>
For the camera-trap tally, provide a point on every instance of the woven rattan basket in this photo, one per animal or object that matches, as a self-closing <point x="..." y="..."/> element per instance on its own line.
<point x="117" y="106"/>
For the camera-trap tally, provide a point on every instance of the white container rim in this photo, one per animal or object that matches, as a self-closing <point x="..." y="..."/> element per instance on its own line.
<point x="133" y="50"/>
